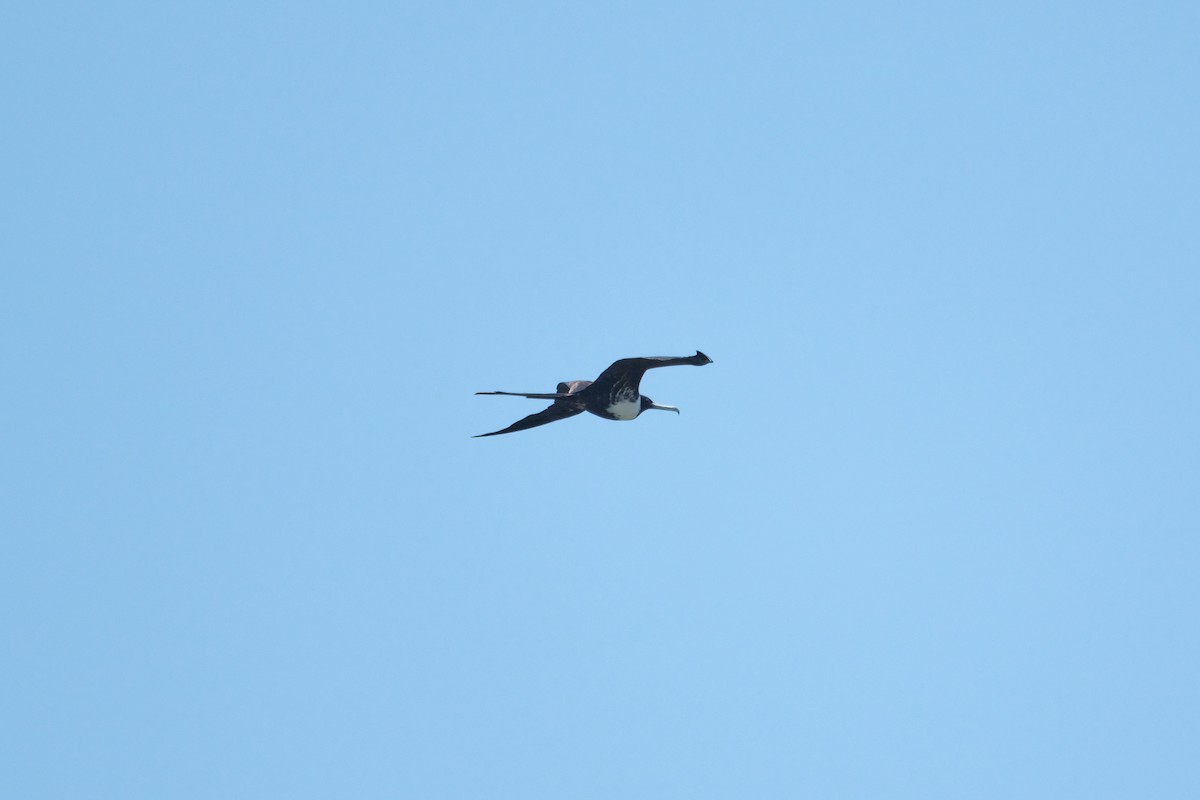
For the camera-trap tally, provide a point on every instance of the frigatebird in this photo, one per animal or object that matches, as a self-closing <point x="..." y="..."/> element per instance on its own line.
<point x="613" y="395"/>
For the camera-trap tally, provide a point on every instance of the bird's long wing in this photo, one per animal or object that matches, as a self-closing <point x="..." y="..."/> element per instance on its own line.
<point x="629" y="371"/>
<point x="554" y="413"/>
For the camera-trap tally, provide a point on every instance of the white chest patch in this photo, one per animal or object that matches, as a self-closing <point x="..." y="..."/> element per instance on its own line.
<point x="625" y="409"/>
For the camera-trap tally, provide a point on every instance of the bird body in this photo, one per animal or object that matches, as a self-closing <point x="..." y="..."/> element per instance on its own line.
<point x="624" y="408"/>
<point x="613" y="395"/>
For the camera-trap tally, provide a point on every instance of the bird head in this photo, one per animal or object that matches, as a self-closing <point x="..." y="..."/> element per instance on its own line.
<point x="648" y="403"/>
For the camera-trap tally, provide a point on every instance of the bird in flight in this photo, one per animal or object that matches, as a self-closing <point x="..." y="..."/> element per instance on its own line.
<point x="613" y="395"/>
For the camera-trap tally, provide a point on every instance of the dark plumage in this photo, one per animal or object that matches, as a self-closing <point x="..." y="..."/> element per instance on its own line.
<point x="613" y="395"/>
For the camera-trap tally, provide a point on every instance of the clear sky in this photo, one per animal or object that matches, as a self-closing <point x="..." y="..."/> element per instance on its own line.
<point x="926" y="528"/>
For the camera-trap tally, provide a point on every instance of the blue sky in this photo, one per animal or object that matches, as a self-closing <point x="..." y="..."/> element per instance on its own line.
<point x="926" y="528"/>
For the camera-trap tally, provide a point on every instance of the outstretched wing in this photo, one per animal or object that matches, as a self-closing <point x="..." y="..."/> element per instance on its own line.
<point x="554" y="413"/>
<point x="628" y="372"/>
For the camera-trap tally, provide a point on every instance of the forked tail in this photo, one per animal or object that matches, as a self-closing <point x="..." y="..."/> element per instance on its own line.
<point x="546" y="396"/>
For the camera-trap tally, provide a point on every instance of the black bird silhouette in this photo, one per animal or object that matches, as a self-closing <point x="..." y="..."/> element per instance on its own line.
<point x="613" y="395"/>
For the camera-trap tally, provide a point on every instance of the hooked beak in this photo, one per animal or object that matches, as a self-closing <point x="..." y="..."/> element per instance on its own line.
<point x="664" y="408"/>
